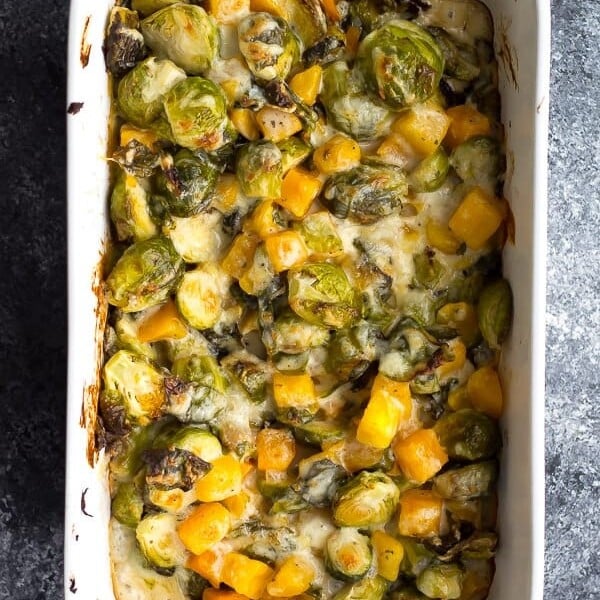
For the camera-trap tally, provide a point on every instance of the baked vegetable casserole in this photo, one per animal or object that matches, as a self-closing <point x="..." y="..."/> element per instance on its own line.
<point x="300" y="395"/>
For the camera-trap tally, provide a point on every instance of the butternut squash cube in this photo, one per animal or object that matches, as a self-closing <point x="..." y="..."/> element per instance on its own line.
<point x="275" y="449"/>
<point x="143" y="136"/>
<point x="389" y="405"/>
<point x="485" y="392"/>
<point x="166" y="323"/>
<point x="286" y="250"/>
<point x="459" y="352"/>
<point x="476" y="219"/>
<point x="465" y="122"/>
<point x="244" y="120"/>
<point x="236" y="505"/>
<point x="208" y="564"/>
<point x="275" y="7"/>
<point x="240" y="254"/>
<point x="222" y="481"/>
<point x="389" y="552"/>
<point x="206" y="525"/>
<point x="420" y="514"/>
<point x="294" y="391"/>
<point x="293" y="577"/>
<point x="277" y="125"/>
<point x="340" y="153"/>
<point x="424" y="127"/>
<point x="262" y="220"/>
<point x="299" y="190"/>
<point x="245" y="575"/>
<point x="441" y="238"/>
<point x="420" y="455"/>
<point x="307" y="84"/>
<point x="462" y="316"/>
<point x="212" y="594"/>
<point x="458" y="398"/>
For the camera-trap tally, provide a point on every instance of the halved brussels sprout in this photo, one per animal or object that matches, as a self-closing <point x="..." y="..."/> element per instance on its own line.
<point x="199" y="238"/>
<point x="202" y="370"/>
<point x="250" y="372"/>
<point x="366" y="193"/>
<point x="321" y="294"/>
<point x="307" y="19"/>
<point x="167" y="469"/>
<point x="196" y="110"/>
<point x="187" y="185"/>
<point x="494" y="312"/>
<point x="320" y="235"/>
<point x="369" y="588"/>
<point x="259" y="170"/>
<point x="416" y="557"/>
<point x="130" y="211"/>
<point x="351" y="351"/>
<point x="268" y="45"/>
<point x="158" y="540"/>
<point x="185" y="34"/>
<point x="468" y="435"/>
<point x="401" y="64"/>
<point x="141" y="91"/>
<point x="145" y="275"/>
<point x="127" y="505"/>
<point x="479" y="161"/>
<point x="320" y="433"/>
<point x="460" y="60"/>
<point x="198" y="441"/>
<point x="319" y="479"/>
<point x="428" y="270"/>
<point x="367" y="499"/>
<point x="137" y="159"/>
<point x="124" y="45"/>
<point x="133" y="388"/>
<point x="270" y="544"/>
<point x="441" y="581"/>
<point x="147" y="7"/>
<point x="293" y="152"/>
<point x="467" y="482"/>
<point x="348" y="554"/>
<point x="348" y="106"/>
<point x="293" y="335"/>
<point x="431" y="172"/>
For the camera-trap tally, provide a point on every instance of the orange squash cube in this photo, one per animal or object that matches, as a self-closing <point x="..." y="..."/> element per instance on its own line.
<point x="212" y="594"/>
<point x="240" y="255"/>
<point x="294" y="391"/>
<point x="299" y="190"/>
<point x="244" y="121"/>
<point x="275" y="449"/>
<point x="420" y="455"/>
<point x="307" y="84"/>
<point x="236" y="505"/>
<point x="222" y="481"/>
<point x="340" y="153"/>
<point x="465" y="122"/>
<point x="206" y="525"/>
<point x="292" y="578"/>
<point x="389" y="552"/>
<point x="262" y="220"/>
<point x="420" y="514"/>
<point x="208" y="565"/>
<point x="245" y="575"/>
<point x="424" y="127"/>
<point x="275" y="7"/>
<point x="166" y="323"/>
<point x="285" y="250"/>
<point x="485" y="392"/>
<point x="459" y="352"/>
<point x="441" y="238"/>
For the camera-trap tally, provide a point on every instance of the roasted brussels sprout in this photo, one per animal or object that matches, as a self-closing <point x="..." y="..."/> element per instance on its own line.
<point x="416" y="557"/>
<point x="321" y="294"/>
<point x="307" y="20"/>
<point x="401" y="64"/>
<point x="137" y="159"/>
<point x="147" y="7"/>
<point x="320" y="433"/>
<point x="130" y="210"/>
<point x="127" y="505"/>
<point x="196" y="110"/>
<point x="351" y="351"/>
<point x="188" y="184"/>
<point x="293" y="152"/>
<point x="428" y="270"/>
<point x="367" y="499"/>
<point x="133" y="388"/>
<point x="366" y="193"/>
<point x="494" y="312"/>
<point x="175" y="468"/>
<point x="265" y="543"/>
<point x="202" y="370"/>
<point x="369" y="588"/>
<point x="479" y="161"/>
<point x="348" y="554"/>
<point x="268" y="45"/>
<point x="140" y="93"/>
<point x="466" y="482"/>
<point x="460" y="60"/>
<point x="259" y="170"/>
<point x="251" y="373"/>
<point x="185" y="34"/>
<point x="441" y="581"/>
<point x="158" y="540"/>
<point x="320" y="235"/>
<point x="124" y="45"/>
<point x="293" y="335"/>
<point x="328" y="49"/>
<point x="468" y="435"/>
<point x="319" y="480"/>
<point x="431" y="172"/>
<point x="197" y="440"/>
<point x="145" y="275"/>
<point x="348" y="106"/>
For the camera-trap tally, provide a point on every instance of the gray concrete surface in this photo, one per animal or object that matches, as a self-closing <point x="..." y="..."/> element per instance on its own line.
<point x="33" y="305"/>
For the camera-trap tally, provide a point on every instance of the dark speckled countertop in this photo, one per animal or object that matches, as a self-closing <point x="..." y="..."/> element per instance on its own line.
<point x="33" y="301"/>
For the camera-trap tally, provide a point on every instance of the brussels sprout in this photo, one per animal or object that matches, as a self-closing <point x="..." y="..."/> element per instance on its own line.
<point x="293" y="152"/>
<point x="366" y="193"/>
<point x="407" y="593"/>
<point x="348" y="554"/>
<point x="129" y="210"/>
<point x="268" y="45"/>
<point x="431" y="172"/>
<point x="467" y="482"/>
<point x="468" y="435"/>
<point x="188" y="184"/>
<point x="134" y="388"/>
<point x="185" y="34"/>
<point x="259" y="170"/>
<point x="351" y="351"/>
<point x="270" y="544"/>
<point x="441" y="581"/>
<point x="124" y="44"/>
<point x="370" y="14"/>
<point x="147" y="7"/>
<point x="428" y="270"/>
<point x="251" y="373"/>
<point x="321" y="294"/>
<point x="367" y="499"/>
<point x="416" y="557"/>
<point x="329" y="48"/>
<point x="320" y="433"/>
<point x="479" y="161"/>
<point x="369" y="588"/>
<point x="158" y="540"/>
<point x="289" y="502"/>
<point x="198" y="441"/>
<point x="478" y="578"/>
<point x="293" y="335"/>
<point x="307" y="20"/>
<point x="196" y="110"/>
<point x="401" y="64"/>
<point x="140" y="93"/>
<point x="167" y="469"/>
<point x="318" y="481"/>
<point x="460" y="60"/>
<point x="127" y="505"/>
<point x="126" y="330"/>
<point x="348" y="106"/>
<point x="494" y="312"/>
<point x="292" y="363"/>
<point x="320" y="235"/>
<point x="203" y="370"/>
<point x="145" y="275"/>
<point x="136" y="159"/>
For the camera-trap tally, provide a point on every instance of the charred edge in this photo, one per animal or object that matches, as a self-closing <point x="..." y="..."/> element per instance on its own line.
<point x="85" y="47"/>
<point x="83" y="508"/>
<point x="74" y="108"/>
<point x="509" y="59"/>
<point x="72" y="586"/>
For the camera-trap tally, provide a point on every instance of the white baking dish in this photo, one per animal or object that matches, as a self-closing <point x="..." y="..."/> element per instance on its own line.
<point x="522" y="43"/>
